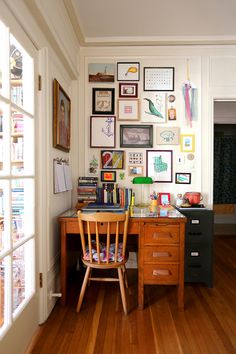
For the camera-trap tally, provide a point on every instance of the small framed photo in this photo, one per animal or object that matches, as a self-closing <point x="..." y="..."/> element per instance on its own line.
<point x="102" y="131"/>
<point x="164" y="199"/>
<point x="139" y="136"/>
<point x="167" y="135"/>
<point x="103" y="100"/>
<point x="128" y="109"/>
<point x="135" y="158"/>
<point x="135" y="170"/>
<point x="158" y="79"/>
<point x="182" y="178"/>
<point x="101" y="72"/>
<point x="108" y="176"/>
<point x="159" y="165"/>
<point x="128" y="90"/>
<point x="187" y="142"/>
<point x="61" y="118"/>
<point x="112" y="159"/>
<point x="128" y="71"/>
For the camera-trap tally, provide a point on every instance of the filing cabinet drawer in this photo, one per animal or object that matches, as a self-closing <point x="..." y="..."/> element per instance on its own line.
<point x="156" y="233"/>
<point x="161" y="254"/>
<point x="161" y="273"/>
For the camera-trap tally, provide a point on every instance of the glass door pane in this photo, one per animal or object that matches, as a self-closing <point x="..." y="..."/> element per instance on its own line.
<point x="22" y="209"/>
<point x="21" y="70"/>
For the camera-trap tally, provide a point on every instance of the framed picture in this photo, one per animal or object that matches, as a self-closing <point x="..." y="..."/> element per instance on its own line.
<point x="134" y="170"/>
<point x="112" y="159"/>
<point x="61" y="118"/>
<point x="128" y="90"/>
<point x="159" y="165"/>
<point x="187" y="142"/>
<point x="103" y="100"/>
<point x="167" y="135"/>
<point x="158" y="79"/>
<point x="182" y="178"/>
<point x="108" y="176"/>
<point x="135" y="158"/>
<point x="164" y="199"/>
<point x="128" y="109"/>
<point x="102" y="131"/>
<point x="128" y="71"/>
<point x="100" y="72"/>
<point x="153" y="107"/>
<point x="140" y="136"/>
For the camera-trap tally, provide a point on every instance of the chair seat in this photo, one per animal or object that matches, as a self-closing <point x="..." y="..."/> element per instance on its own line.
<point x="103" y="252"/>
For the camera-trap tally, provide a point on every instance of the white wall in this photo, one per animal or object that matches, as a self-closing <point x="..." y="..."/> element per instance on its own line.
<point x="212" y="71"/>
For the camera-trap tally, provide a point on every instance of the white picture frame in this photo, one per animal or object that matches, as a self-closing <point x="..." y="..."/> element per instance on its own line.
<point x="153" y="107"/>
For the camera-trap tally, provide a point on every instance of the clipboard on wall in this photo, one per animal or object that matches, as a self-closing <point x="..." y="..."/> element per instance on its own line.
<point x="62" y="176"/>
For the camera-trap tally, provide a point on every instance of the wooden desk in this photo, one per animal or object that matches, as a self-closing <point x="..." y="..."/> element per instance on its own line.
<point x="160" y="249"/>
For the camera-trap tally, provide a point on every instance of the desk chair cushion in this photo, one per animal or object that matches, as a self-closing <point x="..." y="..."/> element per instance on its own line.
<point x="103" y="252"/>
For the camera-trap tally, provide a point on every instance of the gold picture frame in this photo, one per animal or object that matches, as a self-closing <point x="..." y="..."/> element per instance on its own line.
<point x="61" y="118"/>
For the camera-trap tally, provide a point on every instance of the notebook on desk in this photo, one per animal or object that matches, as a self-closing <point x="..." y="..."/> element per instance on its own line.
<point x="96" y="207"/>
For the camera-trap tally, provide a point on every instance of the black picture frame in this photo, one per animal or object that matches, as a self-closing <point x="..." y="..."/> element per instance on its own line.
<point x="182" y="178"/>
<point x="136" y="136"/>
<point x="103" y="101"/>
<point x="159" y="79"/>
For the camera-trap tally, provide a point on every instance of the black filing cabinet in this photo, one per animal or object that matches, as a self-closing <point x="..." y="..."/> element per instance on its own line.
<point x="199" y="245"/>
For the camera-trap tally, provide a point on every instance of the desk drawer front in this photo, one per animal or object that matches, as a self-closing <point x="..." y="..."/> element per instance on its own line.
<point x="161" y="254"/>
<point x="161" y="273"/>
<point x="155" y="233"/>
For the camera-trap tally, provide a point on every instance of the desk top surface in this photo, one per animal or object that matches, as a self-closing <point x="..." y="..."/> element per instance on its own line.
<point x="136" y="212"/>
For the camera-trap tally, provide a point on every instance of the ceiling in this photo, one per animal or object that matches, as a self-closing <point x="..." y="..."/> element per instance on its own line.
<point x="134" y="22"/>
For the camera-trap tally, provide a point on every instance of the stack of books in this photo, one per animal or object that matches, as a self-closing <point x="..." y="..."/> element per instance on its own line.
<point x="87" y="189"/>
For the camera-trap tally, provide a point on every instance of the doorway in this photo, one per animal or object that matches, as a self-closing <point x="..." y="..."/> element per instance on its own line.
<point x="225" y="164"/>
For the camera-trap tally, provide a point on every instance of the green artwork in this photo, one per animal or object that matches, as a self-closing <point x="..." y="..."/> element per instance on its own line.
<point x="159" y="165"/>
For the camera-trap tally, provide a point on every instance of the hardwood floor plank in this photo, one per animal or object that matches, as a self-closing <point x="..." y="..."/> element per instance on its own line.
<point x="208" y="324"/>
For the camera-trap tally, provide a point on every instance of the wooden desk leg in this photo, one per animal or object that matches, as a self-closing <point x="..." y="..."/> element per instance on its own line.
<point x="63" y="270"/>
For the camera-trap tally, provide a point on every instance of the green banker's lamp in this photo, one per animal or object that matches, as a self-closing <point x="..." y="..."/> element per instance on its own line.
<point x="142" y="181"/>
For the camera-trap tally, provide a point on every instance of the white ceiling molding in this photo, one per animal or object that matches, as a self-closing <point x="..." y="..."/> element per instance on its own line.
<point x="153" y="22"/>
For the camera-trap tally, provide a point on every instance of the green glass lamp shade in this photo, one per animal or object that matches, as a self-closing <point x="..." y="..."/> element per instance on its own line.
<point x="142" y="180"/>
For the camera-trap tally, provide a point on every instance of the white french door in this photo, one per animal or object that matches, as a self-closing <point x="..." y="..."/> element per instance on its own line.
<point x="17" y="179"/>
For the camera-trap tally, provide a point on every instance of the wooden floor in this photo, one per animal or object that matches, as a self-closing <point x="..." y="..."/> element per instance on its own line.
<point x="208" y="324"/>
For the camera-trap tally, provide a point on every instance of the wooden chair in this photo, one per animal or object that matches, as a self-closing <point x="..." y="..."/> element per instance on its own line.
<point x="96" y="232"/>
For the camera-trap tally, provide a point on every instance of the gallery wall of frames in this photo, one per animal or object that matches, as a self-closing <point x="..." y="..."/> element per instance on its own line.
<point x="143" y="118"/>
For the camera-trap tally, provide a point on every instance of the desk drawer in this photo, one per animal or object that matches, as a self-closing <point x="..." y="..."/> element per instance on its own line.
<point x="161" y="273"/>
<point x="72" y="227"/>
<point x="161" y="254"/>
<point x="133" y="228"/>
<point x="154" y="233"/>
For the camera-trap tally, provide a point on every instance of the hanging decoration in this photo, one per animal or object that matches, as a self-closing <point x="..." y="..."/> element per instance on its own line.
<point x="190" y="98"/>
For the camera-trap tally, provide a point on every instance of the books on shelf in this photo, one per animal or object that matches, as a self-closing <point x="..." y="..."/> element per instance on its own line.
<point x="87" y="189"/>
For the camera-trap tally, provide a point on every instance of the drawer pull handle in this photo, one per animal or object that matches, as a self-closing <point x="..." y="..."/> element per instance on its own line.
<point x="155" y="235"/>
<point x="161" y="272"/>
<point x="161" y="254"/>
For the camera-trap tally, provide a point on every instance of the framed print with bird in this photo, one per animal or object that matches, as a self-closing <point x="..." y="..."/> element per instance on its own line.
<point x="154" y="107"/>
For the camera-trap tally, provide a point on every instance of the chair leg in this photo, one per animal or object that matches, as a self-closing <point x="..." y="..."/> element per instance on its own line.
<point x="122" y="290"/>
<point x="83" y="288"/>
<point x="125" y="276"/>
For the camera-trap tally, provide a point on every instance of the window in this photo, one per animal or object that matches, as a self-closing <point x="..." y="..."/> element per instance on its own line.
<point x="17" y="179"/>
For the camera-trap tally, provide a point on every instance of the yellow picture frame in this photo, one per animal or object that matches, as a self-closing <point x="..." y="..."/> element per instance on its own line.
<point x="187" y="142"/>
